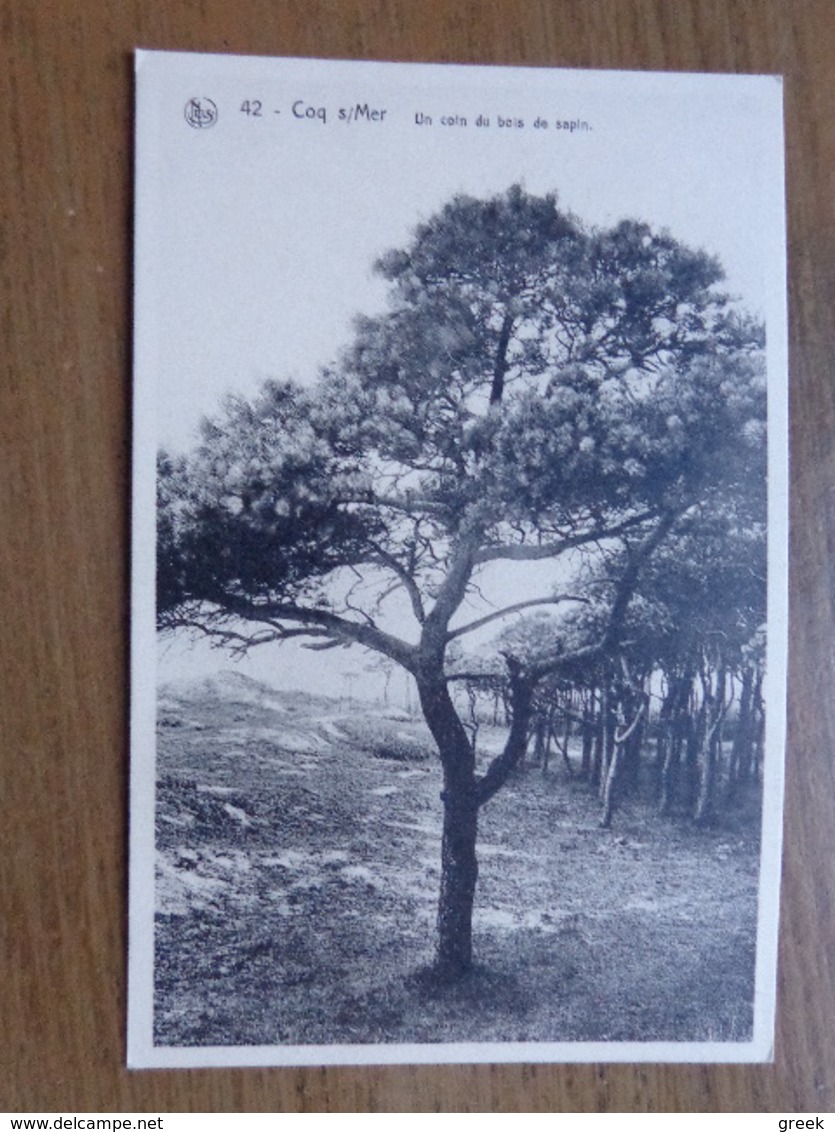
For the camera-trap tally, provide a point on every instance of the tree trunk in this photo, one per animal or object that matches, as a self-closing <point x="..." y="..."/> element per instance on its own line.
<point x="566" y="739"/>
<point x="674" y="729"/>
<point x="694" y="730"/>
<point x="620" y="743"/>
<point x="748" y="752"/>
<point x="599" y="724"/>
<point x="714" y="710"/>
<point x="610" y="784"/>
<point x="459" y="873"/>
<point x="758" y="745"/>
<point x="610" y="725"/>
<point x="546" y="746"/>
<point x="588" y="735"/>
<point x="663" y="743"/>
<point x="634" y="745"/>
<point x="668" y="774"/>
<point x="703" y="811"/>
<point x="741" y="748"/>
<point x="459" y="867"/>
<point x="462" y="796"/>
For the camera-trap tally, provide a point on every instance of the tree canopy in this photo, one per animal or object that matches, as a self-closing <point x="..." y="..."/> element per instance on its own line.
<point x="534" y="386"/>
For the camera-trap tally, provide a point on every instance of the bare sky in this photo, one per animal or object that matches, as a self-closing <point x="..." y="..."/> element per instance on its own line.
<point x="268" y="226"/>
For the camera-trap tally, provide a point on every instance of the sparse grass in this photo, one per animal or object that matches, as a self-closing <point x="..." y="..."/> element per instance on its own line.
<point x="387" y="739"/>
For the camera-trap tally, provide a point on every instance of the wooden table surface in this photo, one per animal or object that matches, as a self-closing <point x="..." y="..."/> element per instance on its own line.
<point x="65" y="128"/>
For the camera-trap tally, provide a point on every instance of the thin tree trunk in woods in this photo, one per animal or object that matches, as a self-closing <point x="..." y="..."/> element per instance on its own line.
<point x="743" y="737"/>
<point x="758" y="744"/>
<point x="566" y="738"/>
<point x="609" y="784"/>
<point x="662" y="746"/>
<point x="544" y="738"/>
<point x="742" y="751"/>
<point x="562" y="747"/>
<point x="634" y="745"/>
<point x="668" y="774"/>
<point x="540" y="740"/>
<point x="663" y="743"/>
<point x="694" y="725"/>
<point x="599" y="746"/>
<point x="587" y="728"/>
<point x="748" y="756"/>
<point x="677" y="728"/>
<point x="621" y="738"/>
<point x="707" y="781"/>
<point x="609" y="725"/>
<point x="715" y="708"/>
<point x="671" y="771"/>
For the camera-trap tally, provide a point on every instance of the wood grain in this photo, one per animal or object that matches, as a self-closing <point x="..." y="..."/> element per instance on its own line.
<point x="65" y="126"/>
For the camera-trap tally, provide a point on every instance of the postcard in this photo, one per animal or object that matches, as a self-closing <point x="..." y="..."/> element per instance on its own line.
<point x="459" y="609"/>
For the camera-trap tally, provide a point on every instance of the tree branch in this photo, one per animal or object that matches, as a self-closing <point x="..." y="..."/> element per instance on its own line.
<point x="623" y="595"/>
<point x="407" y="580"/>
<point x="451" y="591"/>
<point x="622" y="736"/>
<point x="474" y="676"/>
<point x="521" y="695"/>
<point x="473" y="625"/>
<point x="408" y="505"/>
<point x="501" y="366"/>
<point x="522" y="552"/>
<point x="237" y="642"/>
<point x="316" y="622"/>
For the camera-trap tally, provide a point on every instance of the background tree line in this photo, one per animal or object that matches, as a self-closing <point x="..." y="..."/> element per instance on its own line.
<point x="678" y="708"/>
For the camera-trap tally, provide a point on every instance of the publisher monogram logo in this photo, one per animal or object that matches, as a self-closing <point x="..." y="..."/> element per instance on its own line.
<point x="201" y="113"/>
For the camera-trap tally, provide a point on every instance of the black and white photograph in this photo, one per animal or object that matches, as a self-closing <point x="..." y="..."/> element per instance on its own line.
<point x="459" y="564"/>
